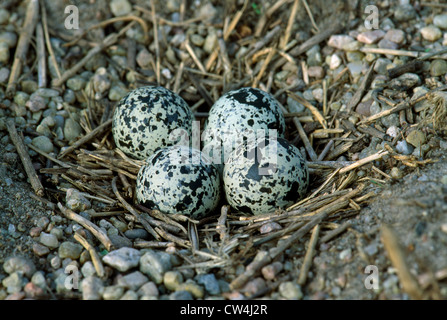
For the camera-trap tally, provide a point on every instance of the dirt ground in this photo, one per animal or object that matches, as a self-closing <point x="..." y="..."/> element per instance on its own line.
<point x="415" y="206"/>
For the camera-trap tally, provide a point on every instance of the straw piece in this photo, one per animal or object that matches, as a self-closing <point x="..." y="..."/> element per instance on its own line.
<point x="307" y="262"/>
<point x="397" y="257"/>
<point x="24" y="156"/>
<point x="93" y="254"/>
<point x="29" y="24"/>
<point x="90" y="226"/>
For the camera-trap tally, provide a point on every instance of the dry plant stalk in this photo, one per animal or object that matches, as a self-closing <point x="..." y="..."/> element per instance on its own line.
<point x="32" y="15"/>
<point x="397" y="257"/>
<point x="24" y="156"/>
<point x="90" y="226"/>
<point x="93" y="254"/>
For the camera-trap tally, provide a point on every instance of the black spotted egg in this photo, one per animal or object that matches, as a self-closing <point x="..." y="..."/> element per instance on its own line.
<point x="237" y="116"/>
<point x="149" y="118"/>
<point x="181" y="180"/>
<point x="265" y="175"/>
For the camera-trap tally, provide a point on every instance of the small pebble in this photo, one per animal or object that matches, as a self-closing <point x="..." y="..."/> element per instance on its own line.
<point x="254" y="286"/>
<point x="129" y="295"/>
<point x="72" y="130"/>
<point x="40" y="250"/>
<point x="149" y="289"/>
<point x="120" y="7"/>
<point x="395" y="35"/>
<point x="370" y="37"/>
<point x="404" y="12"/>
<point x="431" y="33"/>
<point x="113" y="292"/>
<point x="416" y="138"/>
<point x="438" y="67"/>
<point x="290" y="290"/>
<point x="335" y="62"/>
<point x="404" y="148"/>
<point x="339" y="40"/>
<point x="133" y="281"/>
<point x="32" y="291"/>
<point x="76" y="83"/>
<point x="76" y="201"/>
<point x="192" y="287"/>
<point x="316" y="72"/>
<point x="440" y="21"/>
<point x="88" y="269"/>
<point x="181" y="295"/>
<point x="269" y="227"/>
<point x="70" y="250"/>
<point x="48" y="240"/>
<point x="116" y="92"/>
<point x="92" y="288"/>
<point x="122" y="259"/>
<point x="14" y="282"/>
<point x="172" y="279"/>
<point x="21" y="264"/>
<point x="210" y="283"/>
<point x="155" y="264"/>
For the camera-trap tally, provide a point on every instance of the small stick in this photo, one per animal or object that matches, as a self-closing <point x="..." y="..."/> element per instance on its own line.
<point x="397" y="257"/>
<point x="41" y="58"/>
<point x="126" y="185"/>
<point x="411" y="66"/>
<point x="235" y="21"/>
<point x="335" y="232"/>
<point x="309" y="106"/>
<point x="47" y="39"/>
<point x="394" y="52"/>
<point x="221" y="228"/>
<point x="170" y="237"/>
<point x="264" y="67"/>
<point x="157" y="44"/>
<point x="142" y="244"/>
<point x="361" y="89"/>
<point x="24" y="156"/>
<point x="290" y="23"/>
<point x="307" y="262"/>
<point x="90" y="226"/>
<point x="325" y="150"/>
<point x="93" y="254"/>
<point x="262" y="42"/>
<point x="364" y="161"/>
<point x="29" y="24"/>
<point x="108" y="41"/>
<point x="194" y="57"/>
<point x="92" y="134"/>
<point x="133" y="211"/>
<point x="401" y="106"/>
<point x="131" y="53"/>
<point x="307" y="145"/>
<point x="311" y="17"/>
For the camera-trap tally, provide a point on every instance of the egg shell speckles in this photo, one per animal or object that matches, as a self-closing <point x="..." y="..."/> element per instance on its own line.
<point x="237" y="114"/>
<point x="146" y="119"/>
<point x="179" y="179"/>
<point x="263" y="176"/>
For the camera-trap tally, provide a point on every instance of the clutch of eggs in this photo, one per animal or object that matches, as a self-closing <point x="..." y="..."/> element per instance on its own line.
<point x="179" y="179"/>
<point x="146" y="118"/>
<point x="264" y="175"/>
<point x="237" y="116"/>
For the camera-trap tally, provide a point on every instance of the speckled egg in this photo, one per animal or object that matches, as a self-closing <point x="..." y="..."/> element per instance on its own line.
<point x="148" y="118"/>
<point x="239" y="115"/>
<point x="265" y="175"/>
<point x="179" y="179"/>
